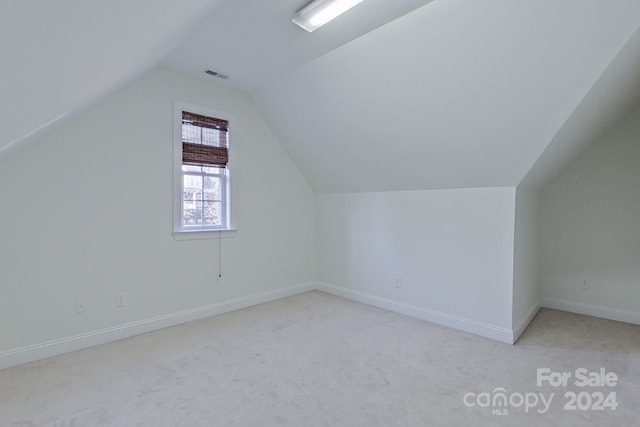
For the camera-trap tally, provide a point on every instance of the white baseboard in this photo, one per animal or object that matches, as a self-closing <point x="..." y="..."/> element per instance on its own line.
<point x="34" y="352"/>
<point x="31" y="353"/>
<point x="593" y="310"/>
<point x="517" y="332"/>
<point x="477" y="328"/>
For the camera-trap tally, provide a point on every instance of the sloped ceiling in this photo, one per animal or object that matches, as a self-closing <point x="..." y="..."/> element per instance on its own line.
<point x="59" y="56"/>
<point x="458" y="93"/>
<point x="393" y="95"/>
<point x="614" y="95"/>
<point x="254" y="41"/>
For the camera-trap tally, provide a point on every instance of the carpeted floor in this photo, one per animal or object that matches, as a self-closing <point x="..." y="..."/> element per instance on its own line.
<point x="319" y="360"/>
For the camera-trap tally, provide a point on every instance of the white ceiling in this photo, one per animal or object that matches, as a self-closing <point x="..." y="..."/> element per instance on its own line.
<point x="403" y="94"/>
<point x="458" y="93"/>
<point x="253" y="41"/>
<point x="616" y="93"/>
<point x="409" y="95"/>
<point x="59" y="56"/>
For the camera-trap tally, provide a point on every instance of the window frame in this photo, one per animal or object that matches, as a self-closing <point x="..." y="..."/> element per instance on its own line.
<point x="228" y="227"/>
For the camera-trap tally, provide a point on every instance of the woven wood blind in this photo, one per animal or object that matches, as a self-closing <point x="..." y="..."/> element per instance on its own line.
<point x="204" y="140"/>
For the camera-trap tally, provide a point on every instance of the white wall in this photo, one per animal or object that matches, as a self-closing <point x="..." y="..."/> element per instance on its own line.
<point x="590" y="228"/>
<point x="526" y="290"/>
<point x="87" y="212"/>
<point x="452" y="250"/>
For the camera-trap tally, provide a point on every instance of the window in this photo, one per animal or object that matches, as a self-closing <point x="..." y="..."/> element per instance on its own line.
<point x="201" y="171"/>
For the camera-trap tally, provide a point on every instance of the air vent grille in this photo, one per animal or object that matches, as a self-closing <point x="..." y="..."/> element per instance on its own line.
<point x="217" y="74"/>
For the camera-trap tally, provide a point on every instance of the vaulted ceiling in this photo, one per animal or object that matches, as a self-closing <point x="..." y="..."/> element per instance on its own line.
<point x="458" y="93"/>
<point x="403" y="94"/>
<point x="60" y="56"/>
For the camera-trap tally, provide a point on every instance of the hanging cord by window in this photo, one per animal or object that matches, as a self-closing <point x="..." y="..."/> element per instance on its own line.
<point x="219" y="254"/>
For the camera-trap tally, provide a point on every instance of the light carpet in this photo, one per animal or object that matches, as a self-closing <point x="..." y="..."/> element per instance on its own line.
<point x="320" y="360"/>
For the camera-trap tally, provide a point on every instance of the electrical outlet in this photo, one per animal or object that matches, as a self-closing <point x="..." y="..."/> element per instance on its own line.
<point x="121" y="300"/>
<point x="285" y="270"/>
<point x="583" y="284"/>
<point x="398" y="282"/>
<point x="81" y="307"/>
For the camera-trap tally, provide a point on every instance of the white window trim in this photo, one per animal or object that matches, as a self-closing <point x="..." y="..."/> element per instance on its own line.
<point x="229" y="230"/>
<point x="201" y="234"/>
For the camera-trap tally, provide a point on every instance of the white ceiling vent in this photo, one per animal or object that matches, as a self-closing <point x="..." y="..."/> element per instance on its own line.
<point x="217" y="74"/>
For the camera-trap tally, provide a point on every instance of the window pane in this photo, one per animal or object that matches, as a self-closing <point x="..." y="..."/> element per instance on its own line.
<point x="191" y="216"/>
<point x="211" y="137"/>
<point x="190" y="199"/>
<point x="191" y="133"/>
<point x="203" y="196"/>
<point x="191" y="168"/>
<point x="201" y="135"/>
<point x="192" y="182"/>
<point x="212" y="213"/>
<point x="212" y="188"/>
<point x="201" y="169"/>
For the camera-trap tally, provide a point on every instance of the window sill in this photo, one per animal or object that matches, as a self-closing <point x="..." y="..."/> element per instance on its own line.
<point x="204" y="234"/>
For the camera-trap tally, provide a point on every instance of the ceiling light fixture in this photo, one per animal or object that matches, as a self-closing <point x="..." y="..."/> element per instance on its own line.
<point x="317" y="13"/>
